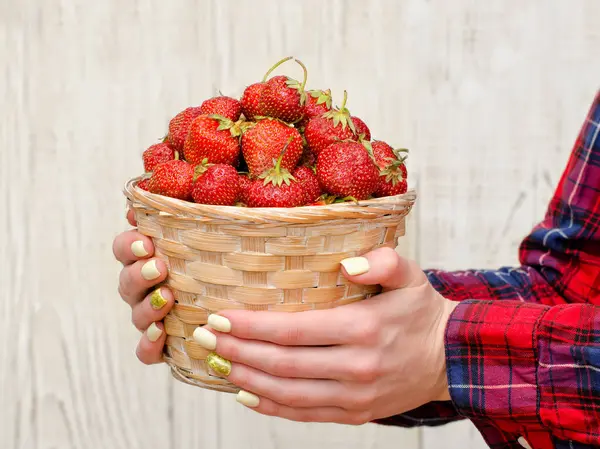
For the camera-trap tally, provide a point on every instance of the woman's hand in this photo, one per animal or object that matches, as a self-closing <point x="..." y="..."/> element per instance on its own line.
<point x="353" y="364"/>
<point x="140" y="274"/>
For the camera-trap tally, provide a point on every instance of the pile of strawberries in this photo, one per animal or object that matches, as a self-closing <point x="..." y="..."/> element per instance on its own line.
<point x="279" y="145"/>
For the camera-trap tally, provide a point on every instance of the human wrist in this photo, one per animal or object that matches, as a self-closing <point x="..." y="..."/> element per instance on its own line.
<point x="442" y="391"/>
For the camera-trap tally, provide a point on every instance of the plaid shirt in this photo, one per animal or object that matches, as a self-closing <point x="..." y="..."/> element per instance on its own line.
<point x="523" y="345"/>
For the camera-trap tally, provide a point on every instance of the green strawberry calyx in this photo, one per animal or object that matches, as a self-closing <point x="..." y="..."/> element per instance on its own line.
<point x="392" y="171"/>
<point x="201" y="168"/>
<point x="322" y="96"/>
<point x="277" y="175"/>
<point x="341" y="115"/>
<point x="235" y="128"/>
<point x="293" y="84"/>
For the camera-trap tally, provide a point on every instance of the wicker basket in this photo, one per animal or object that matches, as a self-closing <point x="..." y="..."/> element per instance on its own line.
<point x="222" y="257"/>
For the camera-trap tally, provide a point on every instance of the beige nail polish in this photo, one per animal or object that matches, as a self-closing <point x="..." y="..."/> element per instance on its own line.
<point x="219" y="323"/>
<point x="137" y="248"/>
<point x="157" y="301"/>
<point x="355" y="265"/>
<point x="153" y="332"/>
<point x="247" y="399"/>
<point x="218" y="364"/>
<point x="149" y="270"/>
<point x="205" y="338"/>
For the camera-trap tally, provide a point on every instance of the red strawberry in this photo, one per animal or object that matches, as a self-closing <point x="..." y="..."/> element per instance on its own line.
<point x="250" y="100"/>
<point x="283" y="97"/>
<point x="215" y="138"/>
<point x="143" y="184"/>
<point x="251" y="97"/>
<point x="393" y="174"/>
<point x="157" y="154"/>
<point x="215" y="184"/>
<point x="318" y="102"/>
<point x="179" y="127"/>
<point x="262" y="143"/>
<point x="308" y="179"/>
<point x="173" y="178"/>
<point x="244" y="183"/>
<point x="225" y="106"/>
<point x="346" y="169"/>
<point x="362" y="130"/>
<point x="333" y="126"/>
<point x="276" y="187"/>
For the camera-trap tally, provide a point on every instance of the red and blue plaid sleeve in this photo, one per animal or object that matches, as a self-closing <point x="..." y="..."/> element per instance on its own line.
<point x="526" y="370"/>
<point x="560" y="265"/>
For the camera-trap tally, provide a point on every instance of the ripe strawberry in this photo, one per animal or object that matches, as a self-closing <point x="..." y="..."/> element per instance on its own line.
<point x="318" y="102"/>
<point x="393" y="174"/>
<point x="173" y="178"/>
<point x="309" y="182"/>
<point x="244" y="183"/>
<point x="333" y="126"/>
<point x="157" y="154"/>
<point x="276" y="187"/>
<point x="362" y="130"/>
<point x="262" y="143"/>
<point x="215" y="184"/>
<point x="283" y="97"/>
<point x="213" y="137"/>
<point x="143" y="184"/>
<point x="250" y="99"/>
<point x="179" y="127"/>
<point x="225" y="106"/>
<point x="346" y="169"/>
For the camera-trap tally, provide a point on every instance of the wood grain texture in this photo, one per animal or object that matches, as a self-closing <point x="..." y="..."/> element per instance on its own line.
<point x="488" y="95"/>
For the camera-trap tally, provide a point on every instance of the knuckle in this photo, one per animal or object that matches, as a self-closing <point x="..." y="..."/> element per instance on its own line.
<point x="283" y="366"/>
<point x="291" y="336"/>
<point x="363" y="401"/>
<point x="290" y="398"/>
<point x="359" y="418"/>
<point x="368" y="369"/>
<point x="367" y="330"/>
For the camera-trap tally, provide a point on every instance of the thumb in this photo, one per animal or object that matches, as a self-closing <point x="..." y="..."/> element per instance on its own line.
<point x="384" y="267"/>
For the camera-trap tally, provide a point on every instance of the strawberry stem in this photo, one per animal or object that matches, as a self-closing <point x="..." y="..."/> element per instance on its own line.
<point x="275" y="66"/>
<point x="305" y="74"/>
<point x="343" y="108"/>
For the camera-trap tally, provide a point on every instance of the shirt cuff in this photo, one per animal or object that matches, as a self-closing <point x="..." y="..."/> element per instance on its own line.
<point x="491" y="360"/>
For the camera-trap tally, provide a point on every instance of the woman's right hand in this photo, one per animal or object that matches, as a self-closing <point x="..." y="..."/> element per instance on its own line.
<point x="139" y="277"/>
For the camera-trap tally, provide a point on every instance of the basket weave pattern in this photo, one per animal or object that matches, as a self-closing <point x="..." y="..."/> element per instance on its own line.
<point x="285" y="260"/>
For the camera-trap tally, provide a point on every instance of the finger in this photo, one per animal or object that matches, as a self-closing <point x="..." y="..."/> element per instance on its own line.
<point x="131" y="217"/>
<point x="384" y="267"/>
<point x="150" y="348"/>
<point x="136" y="279"/>
<point x="154" y="307"/>
<point x="290" y="392"/>
<point x="130" y="246"/>
<point x="265" y="406"/>
<point x="311" y="328"/>
<point x="344" y="363"/>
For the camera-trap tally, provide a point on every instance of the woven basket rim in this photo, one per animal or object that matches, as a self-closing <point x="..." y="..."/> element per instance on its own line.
<point x="367" y="209"/>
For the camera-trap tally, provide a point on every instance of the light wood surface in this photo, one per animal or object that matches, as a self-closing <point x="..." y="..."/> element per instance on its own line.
<point x="488" y="96"/>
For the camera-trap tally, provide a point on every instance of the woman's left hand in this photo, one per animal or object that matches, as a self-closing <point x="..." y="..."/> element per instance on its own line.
<point x="352" y="364"/>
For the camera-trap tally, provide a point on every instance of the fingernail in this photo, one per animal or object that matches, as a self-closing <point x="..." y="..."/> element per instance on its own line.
<point x="355" y="265"/>
<point x="219" y="323"/>
<point x="154" y="332"/>
<point x="149" y="270"/>
<point x="137" y="248"/>
<point x="218" y="364"/>
<point x="157" y="300"/>
<point x="247" y="399"/>
<point x="205" y="338"/>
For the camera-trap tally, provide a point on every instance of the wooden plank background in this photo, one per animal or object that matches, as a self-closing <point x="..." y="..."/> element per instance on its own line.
<point x="488" y="95"/>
